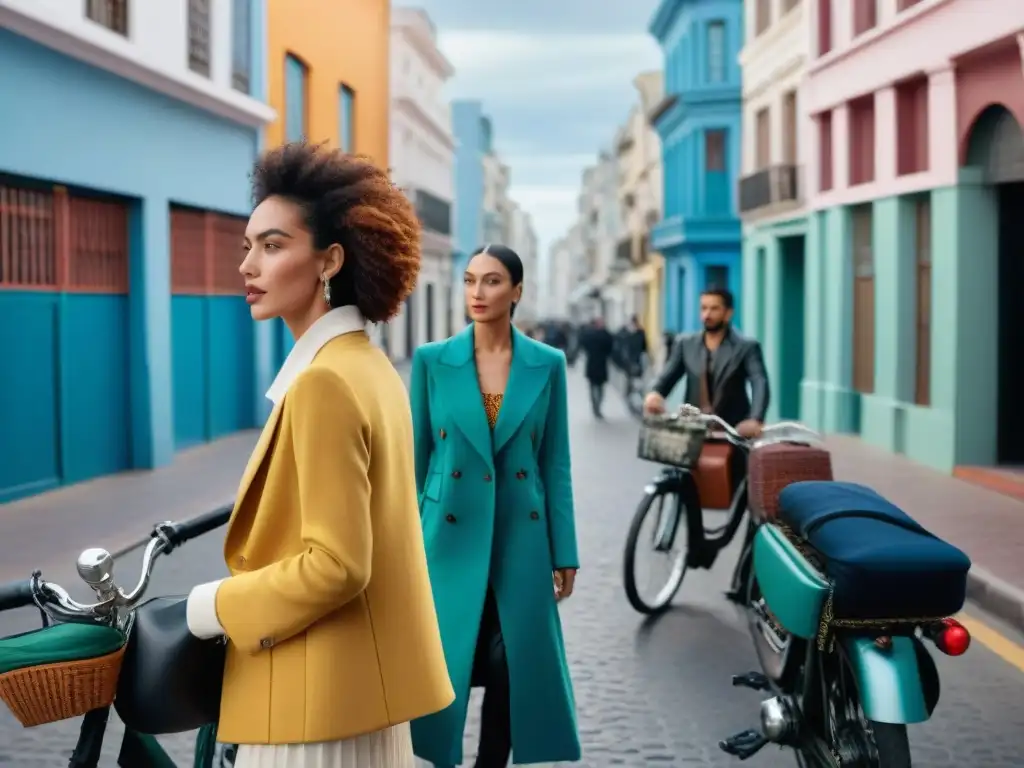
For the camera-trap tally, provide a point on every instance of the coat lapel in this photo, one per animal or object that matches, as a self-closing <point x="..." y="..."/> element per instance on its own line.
<point x="256" y="459"/>
<point x="527" y="378"/>
<point x="726" y="360"/>
<point x="456" y="374"/>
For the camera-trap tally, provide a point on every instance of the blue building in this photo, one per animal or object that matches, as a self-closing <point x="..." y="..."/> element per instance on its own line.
<point x="473" y="142"/>
<point x="699" y="122"/>
<point x="124" y="334"/>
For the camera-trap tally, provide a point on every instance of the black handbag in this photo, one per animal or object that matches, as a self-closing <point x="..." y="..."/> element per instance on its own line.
<point x="170" y="680"/>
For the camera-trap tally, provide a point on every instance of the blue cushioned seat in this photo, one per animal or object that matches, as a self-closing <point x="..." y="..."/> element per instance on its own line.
<point x="882" y="562"/>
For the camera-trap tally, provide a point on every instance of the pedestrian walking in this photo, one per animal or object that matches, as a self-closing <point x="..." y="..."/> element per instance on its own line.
<point x="493" y="470"/>
<point x="598" y="345"/>
<point x="333" y="644"/>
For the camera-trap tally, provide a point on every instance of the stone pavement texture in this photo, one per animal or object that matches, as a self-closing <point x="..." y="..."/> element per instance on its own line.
<point x="648" y="692"/>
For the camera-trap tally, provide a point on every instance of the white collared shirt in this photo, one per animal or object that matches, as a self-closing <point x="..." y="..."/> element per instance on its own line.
<point x="335" y="323"/>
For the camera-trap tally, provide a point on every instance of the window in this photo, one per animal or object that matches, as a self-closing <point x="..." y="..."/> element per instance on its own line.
<point x="716" y="276"/>
<point x="912" y="126"/>
<point x="863" y="300"/>
<point x="241" y="45"/>
<point x="862" y="140"/>
<point x="199" y="36"/>
<point x="430" y="312"/>
<point x="923" y="337"/>
<point x="865" y="16"/>
<point x="294" y="99"/>
<point x="716" y="52"/>
<point x="824" y="26"/>
<point x="112" y="14"/>
<point x="763" y="148"/>
<point x="346" y="118"/>
<point x="789" y="128"/>
<point x="714" y="151"/>
<point x="825" y="159"/>
<point x="762" y="16"/>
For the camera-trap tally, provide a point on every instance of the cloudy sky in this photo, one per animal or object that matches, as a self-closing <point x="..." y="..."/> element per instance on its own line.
<point x="556" y="78"/>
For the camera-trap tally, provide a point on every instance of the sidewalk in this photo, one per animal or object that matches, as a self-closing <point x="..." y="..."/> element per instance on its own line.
<point x="118" y="512"/>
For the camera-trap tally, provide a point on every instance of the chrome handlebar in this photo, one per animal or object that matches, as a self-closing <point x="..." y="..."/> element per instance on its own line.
<point x="783" y="431"/>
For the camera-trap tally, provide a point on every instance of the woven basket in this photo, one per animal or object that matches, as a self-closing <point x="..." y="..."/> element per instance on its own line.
<point x="670" y="441"/>
<point x="50" y="692"/>
<point x="773" y="467"/>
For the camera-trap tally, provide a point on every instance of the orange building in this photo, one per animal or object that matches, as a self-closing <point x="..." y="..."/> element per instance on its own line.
<point x="327" y="73"/>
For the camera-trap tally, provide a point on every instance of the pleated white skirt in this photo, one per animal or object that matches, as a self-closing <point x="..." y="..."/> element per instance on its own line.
<point x="390" y="748"/>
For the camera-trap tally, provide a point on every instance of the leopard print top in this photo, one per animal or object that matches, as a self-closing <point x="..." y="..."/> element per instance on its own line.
<point x="492" y="405"/>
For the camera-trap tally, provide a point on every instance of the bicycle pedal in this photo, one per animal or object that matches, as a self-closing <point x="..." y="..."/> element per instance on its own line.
<point x="744" y="745"/>
<point x="755" y="681"/>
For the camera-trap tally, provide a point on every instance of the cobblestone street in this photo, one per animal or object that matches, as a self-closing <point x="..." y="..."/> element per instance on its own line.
<point x="647" y="693"/>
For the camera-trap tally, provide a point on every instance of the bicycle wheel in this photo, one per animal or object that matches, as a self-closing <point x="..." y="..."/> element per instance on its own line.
<point x="658" y="528"/>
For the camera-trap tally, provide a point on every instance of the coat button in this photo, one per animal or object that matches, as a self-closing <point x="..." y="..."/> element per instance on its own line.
<point x="266" y="642"/>
<point x="443" y="434"/>
<point x="521" y="474"/>
<point x="456" y="474"/>
<point x="535" y="515"/>
<point x="450" y="518"/>
<point x="487" y="478"/>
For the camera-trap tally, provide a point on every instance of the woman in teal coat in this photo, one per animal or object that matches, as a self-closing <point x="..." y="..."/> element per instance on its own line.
<point x="493" y="472"/>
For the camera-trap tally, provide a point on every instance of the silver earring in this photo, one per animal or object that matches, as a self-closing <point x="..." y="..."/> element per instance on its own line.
<point x="327" y="289"/>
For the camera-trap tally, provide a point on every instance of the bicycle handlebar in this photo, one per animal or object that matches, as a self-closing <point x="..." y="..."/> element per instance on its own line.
<point x="96" y="567"/>
<point x="769" y="434"/>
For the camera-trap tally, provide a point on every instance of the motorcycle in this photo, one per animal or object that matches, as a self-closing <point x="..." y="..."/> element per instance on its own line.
<point x="843" y="590"/>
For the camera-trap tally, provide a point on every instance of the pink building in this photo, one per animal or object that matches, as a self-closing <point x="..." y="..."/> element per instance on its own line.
<point x="914" y="308"/>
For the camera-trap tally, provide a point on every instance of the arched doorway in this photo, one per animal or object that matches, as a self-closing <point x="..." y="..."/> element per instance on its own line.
<point x="996" y="148"/>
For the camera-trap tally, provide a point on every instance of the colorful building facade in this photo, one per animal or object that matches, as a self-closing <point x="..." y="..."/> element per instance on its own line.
<point x="123" y="188"/>
<point x="913" y="113"/>
<point x="772" y="194"/>
<point x="328" y="79"/>
<point x="699" y="123"/>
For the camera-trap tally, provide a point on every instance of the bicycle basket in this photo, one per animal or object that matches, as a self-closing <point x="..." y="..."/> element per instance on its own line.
<point x="60" y="672"/>
<point x="671" y="440"/>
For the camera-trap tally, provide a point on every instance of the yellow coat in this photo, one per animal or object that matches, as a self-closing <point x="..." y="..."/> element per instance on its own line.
<point x="328" y="611"/>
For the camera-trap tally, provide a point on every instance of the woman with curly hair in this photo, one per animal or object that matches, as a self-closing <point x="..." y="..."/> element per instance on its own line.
<point x="332" y="638"/>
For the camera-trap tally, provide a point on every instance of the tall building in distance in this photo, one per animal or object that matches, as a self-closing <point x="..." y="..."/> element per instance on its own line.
<point x="422" y="164"/>
<point x="699" y="122"/>
<point x="128" y="136"/>
<point x="772" y="192"/>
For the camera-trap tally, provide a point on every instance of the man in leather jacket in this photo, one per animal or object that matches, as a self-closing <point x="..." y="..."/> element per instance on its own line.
<point x="718" y="365"/>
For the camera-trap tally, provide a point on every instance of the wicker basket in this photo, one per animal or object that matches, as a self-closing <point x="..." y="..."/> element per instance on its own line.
<point x="773" y="467"/>
<point x="51" y="692"/>
<point x="672" y="441"/>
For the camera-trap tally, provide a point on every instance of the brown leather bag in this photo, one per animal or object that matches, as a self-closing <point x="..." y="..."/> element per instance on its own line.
<point x="714" y="476"/>
<point x="714" y="468"/>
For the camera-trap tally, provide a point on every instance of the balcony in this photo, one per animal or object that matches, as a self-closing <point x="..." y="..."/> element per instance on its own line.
<point x="772" y="186"/>
<point x="434" y="213"/>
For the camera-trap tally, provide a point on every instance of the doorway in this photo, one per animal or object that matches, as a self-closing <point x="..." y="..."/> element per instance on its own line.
<point x="1010" y="444"/>
<point x="791" y="326"/>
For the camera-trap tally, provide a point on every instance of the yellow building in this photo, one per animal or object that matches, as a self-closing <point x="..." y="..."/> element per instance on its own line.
<point x="328" y="73"/>
<point x="640" y="193"/>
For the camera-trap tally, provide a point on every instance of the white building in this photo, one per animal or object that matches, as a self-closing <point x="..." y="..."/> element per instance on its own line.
<point x="601" y="226"/>
<point x="560" y="277"/>
<point x="522" y="238"/>
<point x="169" y="47"/>
<point x="422" y="161"/>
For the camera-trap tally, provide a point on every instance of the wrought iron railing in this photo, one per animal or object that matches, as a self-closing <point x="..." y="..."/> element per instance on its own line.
<point x="769" y="186"/>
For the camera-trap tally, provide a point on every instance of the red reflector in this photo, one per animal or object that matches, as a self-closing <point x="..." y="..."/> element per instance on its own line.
<point x="952" y="638"/>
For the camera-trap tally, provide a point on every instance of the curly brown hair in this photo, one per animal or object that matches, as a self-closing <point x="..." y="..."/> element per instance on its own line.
<point x="348" y="200"/>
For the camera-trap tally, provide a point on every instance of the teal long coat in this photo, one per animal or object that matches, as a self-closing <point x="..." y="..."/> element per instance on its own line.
<point x="497" y="507"/>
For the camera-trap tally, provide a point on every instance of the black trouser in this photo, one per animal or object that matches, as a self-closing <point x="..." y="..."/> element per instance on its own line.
<point x="596" y="397"/>
<point x="490" y="670"/>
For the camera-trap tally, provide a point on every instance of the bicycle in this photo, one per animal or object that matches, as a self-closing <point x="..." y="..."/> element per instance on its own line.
<point x="677" y="440"/>
<point x="115" y="608"/>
